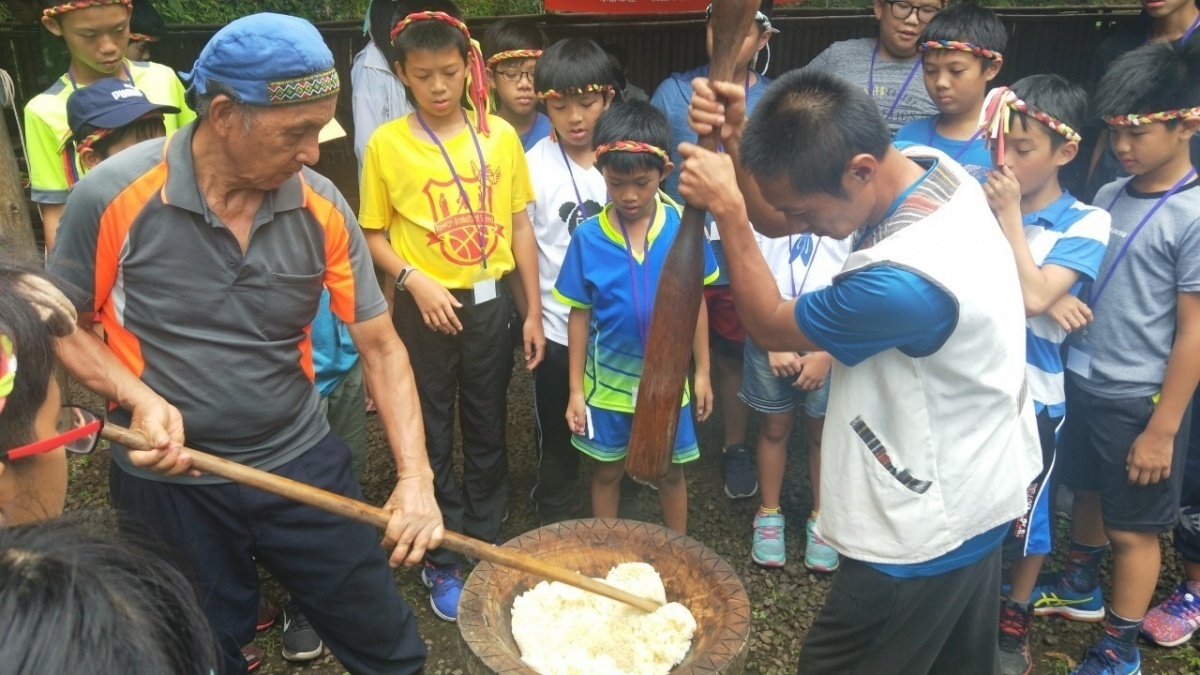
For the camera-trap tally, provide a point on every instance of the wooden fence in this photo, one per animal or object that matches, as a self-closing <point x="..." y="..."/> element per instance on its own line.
<point x="1060" y="40"/>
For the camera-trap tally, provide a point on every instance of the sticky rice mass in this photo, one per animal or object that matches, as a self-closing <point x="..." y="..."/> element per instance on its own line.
<point x="563" y="630"/>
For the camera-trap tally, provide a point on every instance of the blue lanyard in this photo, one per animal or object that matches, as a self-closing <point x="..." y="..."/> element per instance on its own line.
<point x="1096" y="291"/>
<point x="480" y="230"/>
<point x="641" y="305"/>
<point x="578" y="197"/>
<point x="963" y="149"/>
<point x="808" y="266"/>
<point x="900" y="94"/>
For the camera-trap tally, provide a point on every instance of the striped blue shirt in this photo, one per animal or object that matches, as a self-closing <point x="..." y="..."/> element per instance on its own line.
<point x="1074" y="235"/>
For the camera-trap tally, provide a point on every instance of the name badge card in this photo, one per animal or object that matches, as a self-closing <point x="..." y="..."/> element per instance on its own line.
<point x="485" y="291"/>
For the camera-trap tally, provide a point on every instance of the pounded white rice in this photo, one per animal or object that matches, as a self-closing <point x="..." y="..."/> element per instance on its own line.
<point x="562" y="630"/>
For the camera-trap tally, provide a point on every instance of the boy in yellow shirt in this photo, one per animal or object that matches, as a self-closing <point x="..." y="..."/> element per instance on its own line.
<point x="451" y="188"/>
<point x="96" y="33"/>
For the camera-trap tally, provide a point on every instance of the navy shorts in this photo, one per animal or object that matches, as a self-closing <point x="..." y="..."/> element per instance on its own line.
<point x="1093" y="448"/>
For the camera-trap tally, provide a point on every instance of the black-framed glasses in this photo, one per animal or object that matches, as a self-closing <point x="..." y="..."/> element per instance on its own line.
<point x="78" y="432"/>
<point x="901" y="9"/>
<point x="513" y="75"/>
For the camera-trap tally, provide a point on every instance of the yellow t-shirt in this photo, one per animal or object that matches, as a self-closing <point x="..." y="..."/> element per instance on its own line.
<point x="408" y="189"/>
<point x="46" y="128"/>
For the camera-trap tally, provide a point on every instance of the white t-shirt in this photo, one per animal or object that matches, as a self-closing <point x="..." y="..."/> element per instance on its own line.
<point x="555" y="214"/>
<point x="803" y="263"/>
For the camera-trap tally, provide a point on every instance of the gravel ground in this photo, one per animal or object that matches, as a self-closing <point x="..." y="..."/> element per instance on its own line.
<point x="784" y="601"/>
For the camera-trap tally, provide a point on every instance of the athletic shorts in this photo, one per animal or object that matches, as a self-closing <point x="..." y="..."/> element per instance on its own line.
<point x="725" y="330"/>
<point x="607" y="436"/>
<point x="768" y="394"/>
<point x="1032" y="534"/>
<point x="1093" y="448"/>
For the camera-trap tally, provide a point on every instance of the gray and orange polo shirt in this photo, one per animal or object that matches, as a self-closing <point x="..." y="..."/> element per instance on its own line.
<point x="222" y="335"/>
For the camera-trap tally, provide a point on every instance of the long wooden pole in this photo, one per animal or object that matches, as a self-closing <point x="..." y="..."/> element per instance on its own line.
<point x="379" y="518"/>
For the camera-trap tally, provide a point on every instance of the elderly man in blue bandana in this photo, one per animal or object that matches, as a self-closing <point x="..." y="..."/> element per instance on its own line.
<point x="204" y="258"/>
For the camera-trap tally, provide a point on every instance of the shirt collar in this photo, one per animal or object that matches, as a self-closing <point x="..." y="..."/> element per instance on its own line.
<point x="613" y="229"/>
<point x="1052" y="213"/>
<point x="182" y="191"/>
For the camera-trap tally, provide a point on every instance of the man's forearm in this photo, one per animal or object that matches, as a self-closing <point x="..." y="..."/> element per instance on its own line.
<point x="94" y="365"/>
<point x="757" y="209"/>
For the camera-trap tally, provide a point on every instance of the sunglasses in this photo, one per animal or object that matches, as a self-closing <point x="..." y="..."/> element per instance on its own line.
<point x="78" y="432"/>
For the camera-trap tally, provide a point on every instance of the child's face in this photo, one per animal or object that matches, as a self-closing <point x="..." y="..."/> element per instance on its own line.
<point x="96" y="36"/>
<point x="574" y="117"/>
<point x="632" y="194"/>
<point x="1030" y="153"/>
<point x="513" y="82"/>
<point x="138" y="50"/>
<point x="437" y="79"/>
<point x="1160" y="8"/>
<point x="1145" y="148"/>
<point x="898" y="36"/>
<point x="957" y="82"/>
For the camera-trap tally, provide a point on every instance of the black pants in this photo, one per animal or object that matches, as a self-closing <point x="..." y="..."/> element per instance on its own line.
<point x="333" y="567"/>
<point x="473" y="367"/>
<point x="557" y="492"/>
<point x="875" y="624"/>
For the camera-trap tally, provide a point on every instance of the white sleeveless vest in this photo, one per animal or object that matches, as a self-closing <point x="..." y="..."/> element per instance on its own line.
<point x="921" y="454"/>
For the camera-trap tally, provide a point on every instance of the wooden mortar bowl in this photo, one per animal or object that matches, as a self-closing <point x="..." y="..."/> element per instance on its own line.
<point x="692" y="573"/>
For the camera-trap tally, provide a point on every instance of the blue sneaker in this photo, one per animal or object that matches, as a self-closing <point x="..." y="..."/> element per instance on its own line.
<point x="740" y="480"/>
<point x="1054" y="596"/>
<point x="445" y="585"/>
<point x="1104" y="660"/>
<point x="818" y="556"/>
<point x="768" y="549"/>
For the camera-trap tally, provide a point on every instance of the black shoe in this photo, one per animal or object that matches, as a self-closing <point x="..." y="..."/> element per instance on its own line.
<point x="740" y="479"/>
<point x="1015" y="621"/>
<point x="300" y="641"/>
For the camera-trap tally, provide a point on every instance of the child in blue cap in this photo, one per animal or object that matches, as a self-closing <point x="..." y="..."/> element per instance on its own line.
<point x="108" y="117"/>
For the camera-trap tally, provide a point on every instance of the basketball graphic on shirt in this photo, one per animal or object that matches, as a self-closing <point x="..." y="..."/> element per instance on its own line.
<point x="464" y="228"/>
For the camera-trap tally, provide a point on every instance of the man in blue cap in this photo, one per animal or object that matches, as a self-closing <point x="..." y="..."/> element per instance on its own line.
<point x="204" y="257"/>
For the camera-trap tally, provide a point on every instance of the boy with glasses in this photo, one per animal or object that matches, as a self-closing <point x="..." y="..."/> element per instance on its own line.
<point x="511" y="51"/>
<point x="887" y="67"/>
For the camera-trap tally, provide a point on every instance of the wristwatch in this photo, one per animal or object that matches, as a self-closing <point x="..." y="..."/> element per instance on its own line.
<point x="400" y="278"/>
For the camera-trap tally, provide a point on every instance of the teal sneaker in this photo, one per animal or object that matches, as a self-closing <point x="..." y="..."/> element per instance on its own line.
<point x="1104" y="659"/>
<point x="818" y="556"/>
<point x="1054" y="596"/>
<point x="768" y="549"/>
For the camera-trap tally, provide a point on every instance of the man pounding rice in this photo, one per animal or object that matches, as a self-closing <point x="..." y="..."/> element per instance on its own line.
<point x="930" y="439"/>
<point x="204" y="258"/>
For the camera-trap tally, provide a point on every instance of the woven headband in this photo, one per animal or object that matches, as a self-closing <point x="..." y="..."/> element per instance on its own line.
<point x="1136" y="120"/>
<point x="996" y="120"/>
<point x="8" y="368"/>
<point x="513" y="54"/>
<point x="82" y="4"/>
<point x="631" y="146"/>
<point x="142" y="37"/>
<point x="477" y="87"/>
<point x="574" y="91"/>
<point x="961" y="47"/>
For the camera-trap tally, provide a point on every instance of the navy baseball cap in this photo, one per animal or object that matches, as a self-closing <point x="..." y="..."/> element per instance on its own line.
<point x="267" y="59"/>
<point x="108" y="104"/>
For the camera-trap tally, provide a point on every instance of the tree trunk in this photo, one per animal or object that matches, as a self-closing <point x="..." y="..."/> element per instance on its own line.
<point x="16" y="229"/>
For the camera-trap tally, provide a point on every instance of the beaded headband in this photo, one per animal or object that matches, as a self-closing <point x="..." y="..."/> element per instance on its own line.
<point x="477" y="87"/>
<point x="961" y="47"/>
<point x="142" y="37"/>
<point x="1136" y="120"/>
<point x="513" y="54"/>
<point x="8" y="368"/>
<point x="574" y="91"/>
<point x="82" y="4"/>
<point x="631" y="146"/>
<point x="996" y="120"/>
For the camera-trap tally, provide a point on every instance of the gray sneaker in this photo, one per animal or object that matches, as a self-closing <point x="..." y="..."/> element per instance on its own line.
<point x="300" y="641"/>
<point x="740" y="480"/>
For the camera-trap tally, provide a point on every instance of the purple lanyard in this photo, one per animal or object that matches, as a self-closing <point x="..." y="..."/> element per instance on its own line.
<point x="578" y="197"/>
<point x="903" y="88"/>
<point x="480" y="232"/>
<point x="1186" y="34"/>
<point x="807" y="268"/>
<point x="124" y="66"/>
<point x="963" y="149"/>
<point x="641" y="313"/>
<point x="1094" y="294"/>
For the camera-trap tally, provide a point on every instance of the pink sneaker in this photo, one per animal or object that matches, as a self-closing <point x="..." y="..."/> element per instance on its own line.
<point x="1173" y="622"/>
